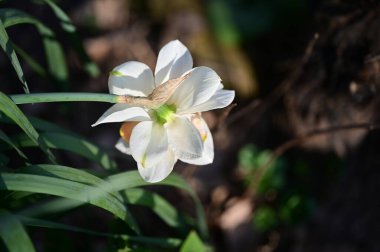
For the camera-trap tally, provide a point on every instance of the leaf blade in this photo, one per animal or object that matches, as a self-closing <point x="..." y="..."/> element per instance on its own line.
<point x="54" y="53"/>
<point x="130" y="179"/>
<point x="14" y="234"/>
<point x="161" y="207"/>
<point x="66" y="24"/>
<point x="64" y="188"/>
<point x="9" y="50"/>
<point x="11" y="110"/>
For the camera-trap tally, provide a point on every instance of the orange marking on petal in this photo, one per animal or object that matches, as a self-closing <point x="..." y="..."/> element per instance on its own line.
<point x="126" y="130"/>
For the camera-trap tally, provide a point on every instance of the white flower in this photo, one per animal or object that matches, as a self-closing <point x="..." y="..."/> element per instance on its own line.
<point x="158" y="137"/>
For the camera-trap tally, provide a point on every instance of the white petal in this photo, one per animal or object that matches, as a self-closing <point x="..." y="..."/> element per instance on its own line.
<point x="131" y="78"/>
<point x="122" y="113"/>
<point x="160" y="170"/>
<point x="184" y="138"/>
<point x="220" y="99"/>
<point x="196" y="89"/>
<point x="148" y="143"/>
<point x="208" y="150"/>
<point x="174" y="59"/>
<point x="123" y="146"/>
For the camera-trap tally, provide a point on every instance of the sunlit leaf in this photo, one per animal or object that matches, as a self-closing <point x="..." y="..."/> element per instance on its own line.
<point x="134" y="196"/>
<point x="8" y="49"/>
<point x="13" y="234"/>
<point x="193" y="243"/>
<point x="72" y="174"/>
<point x="65" y="188"/>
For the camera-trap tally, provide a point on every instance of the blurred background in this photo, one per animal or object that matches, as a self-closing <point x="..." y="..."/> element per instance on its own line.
<point x="297" y="163"/>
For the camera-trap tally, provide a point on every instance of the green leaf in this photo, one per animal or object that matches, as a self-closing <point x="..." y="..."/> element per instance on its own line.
<point x="134" y="196"/>
<point x="126" y="180"/>
<point x="193" y="243"/>
<point x="8" y="49"/>
<point x="42" y="125"/>
<point x="13" y="233"/>
<point x="53" y="50"/>
<point x="7" y="140"/>
<point x="66" y="24"/>
<point x="13" y="112"/>
<point x="138" y="196"/>
<point x="73" y="144"/>
<point x="79" y="146"/>
<point x="30" y="61"/>
<point x="69" y="173"/>
<point x="34" y="222"/>
<point x="67" y="189"/>
<point x="162" y="242"/>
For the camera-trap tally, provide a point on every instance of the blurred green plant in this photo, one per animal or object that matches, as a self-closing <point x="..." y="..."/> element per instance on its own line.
<point x="283" y="200"/>
<point x="234" y="21"/>
<point x="35" y="190"/>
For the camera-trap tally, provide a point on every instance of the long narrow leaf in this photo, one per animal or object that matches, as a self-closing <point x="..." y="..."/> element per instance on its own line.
<point x="69" y="173"/>
<point x="42" y="125"/>
<point x="39" y="69"/>
<point x="163" y="242"/>
<point x="8" y="49"/>
<point x="133" y="196"/>
<point x="126" y="180"/>
<point x="138" y="196"/>
<point x="79" y="146"/>
<point x="73" y="144"/>
<point x="13" y="112"/>
<point x="64" y="188"/>
<point x="66" y="24"/>
<point x="13" y="233"/>
<point x="54" y="53"/>
<point x="6" y="139"/>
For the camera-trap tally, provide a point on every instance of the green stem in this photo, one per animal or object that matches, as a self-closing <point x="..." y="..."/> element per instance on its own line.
<point x="63" y="97"/>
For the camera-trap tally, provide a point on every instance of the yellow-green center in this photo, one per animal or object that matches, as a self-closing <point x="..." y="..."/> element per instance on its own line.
<point x="164" y="113"/>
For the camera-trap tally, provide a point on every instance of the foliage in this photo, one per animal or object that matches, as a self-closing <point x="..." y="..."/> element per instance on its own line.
<point x="37" y="192"/>
<point x="284" y="202"/>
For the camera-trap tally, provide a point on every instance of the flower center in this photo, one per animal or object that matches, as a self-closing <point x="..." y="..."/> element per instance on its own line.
<point x="164" y="113"/>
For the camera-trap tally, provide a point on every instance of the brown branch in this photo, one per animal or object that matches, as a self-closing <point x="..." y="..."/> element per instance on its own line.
<point x="257" y="107"/>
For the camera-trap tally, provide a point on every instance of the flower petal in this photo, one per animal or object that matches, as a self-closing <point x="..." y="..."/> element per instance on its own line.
<point x="196" y="89"/>
<point x="123" y="147"/>
<point x="184" y="138"/>
<point x="174" y="59"/>
<point x="131" y="78"/>
<point x="208" y="150"/>
<point x="220" y="99"/>
<point x="148" y="143"/>
<point x="121" y="113"/>
<point x="160" y="170"/>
